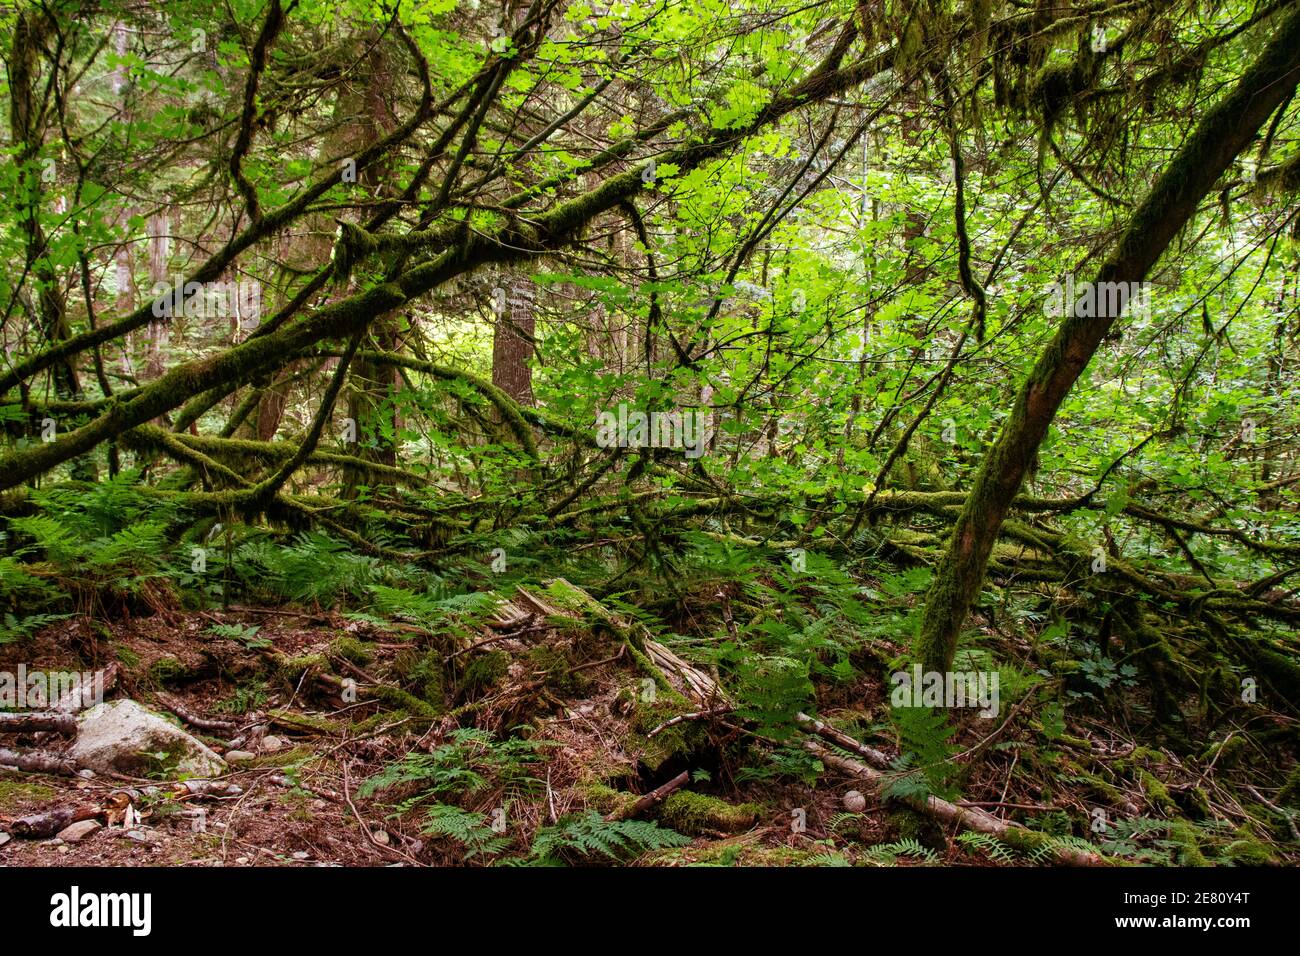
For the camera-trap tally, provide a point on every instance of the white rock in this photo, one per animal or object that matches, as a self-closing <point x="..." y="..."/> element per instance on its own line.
<point x="271" y="744"/>
<point x="123" y="737"/>
<point x="238" y="756"/>
<point x="854" y="802"/>
<point x="77" y="832"/>
<point x="4" y="838"/>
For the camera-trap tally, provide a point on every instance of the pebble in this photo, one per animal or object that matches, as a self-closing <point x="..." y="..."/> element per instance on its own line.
<point x="4" y="838"/>
<point x="271" y="743"/>
<point x="854" y="802"/>
<point x="300" y="855"/>
<point x="241" y="860"/>
<point x="238" y="756"/>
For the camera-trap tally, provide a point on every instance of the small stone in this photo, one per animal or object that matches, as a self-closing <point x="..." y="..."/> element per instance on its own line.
<point x="271" y="743"/>
<point x="4" y="838"/>
<point x="855" y="802"/>
<point x="77" y="832"/>
<point x="318" y="804"/>
<point x="382" y="837"/>
<point x="241" y="860"/>
<point x="86" y="773"/>
<point x="65" y="849"/>
<point x="300" y="855"/>
<point x="139" y="836"/>
<point x="239" y="756"/>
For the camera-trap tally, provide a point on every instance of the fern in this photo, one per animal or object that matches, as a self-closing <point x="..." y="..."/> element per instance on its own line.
<point x="887" y="854"/>
<point x="464" y="765"/>
<point x="590" y="834"/>
<point x="471" y="830"/>
<point x="924" y="737"/>
<point x="992" y="847"/>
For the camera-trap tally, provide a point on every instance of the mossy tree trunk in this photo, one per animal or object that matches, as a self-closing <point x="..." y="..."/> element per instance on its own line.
<point x="1172" y="202"/>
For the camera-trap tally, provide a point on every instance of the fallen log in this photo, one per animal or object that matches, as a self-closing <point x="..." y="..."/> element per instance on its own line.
<point x="38" y="761"/>
<point x="48" y="721"/>
<point x="39" y="826"/>
<point x="968" y="818"/>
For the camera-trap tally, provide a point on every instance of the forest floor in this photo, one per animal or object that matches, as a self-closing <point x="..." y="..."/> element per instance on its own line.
<point x="339" y="758"/>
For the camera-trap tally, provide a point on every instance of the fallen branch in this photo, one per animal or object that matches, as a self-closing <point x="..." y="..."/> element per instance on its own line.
<point x="968" y="818"/>
<point x="38" y="761"/>
<point x="41" y="825"/>
<point x="653" y="798"/>
<point x="47" y="721"/>
<point x="682" y="718"/>
<point x="225" y="727"/>
<point x="842" y="740"/>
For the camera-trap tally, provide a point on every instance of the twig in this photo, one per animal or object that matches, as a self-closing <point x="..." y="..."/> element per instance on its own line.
<point x="652" y="798"/>
<point x="682" y="718"/>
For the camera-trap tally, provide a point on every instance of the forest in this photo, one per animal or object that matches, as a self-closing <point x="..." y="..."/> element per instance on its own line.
<point x="657" y="433"/>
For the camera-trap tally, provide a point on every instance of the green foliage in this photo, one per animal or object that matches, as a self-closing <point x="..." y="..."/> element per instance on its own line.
<point x="466" y="764"/>
<point x="887" y="854"/>
<point x="471" y="830"/>
<point x="578" y="837"/>
<point x="924" y="766"/>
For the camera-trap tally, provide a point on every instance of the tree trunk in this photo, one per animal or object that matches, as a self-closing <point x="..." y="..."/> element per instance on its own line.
<point x="512" y="342"/>
<point x="1172" y="202"/>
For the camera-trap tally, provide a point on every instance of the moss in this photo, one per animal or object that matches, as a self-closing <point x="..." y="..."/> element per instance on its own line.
<point x="653" y="751"/>
<point x="697" y="813"/>
<point x="1247" y="849"/>
<point x="1189" y="849"/>
<point x="309" y="722"/>
<point x="605" y="799"/>
<point x="167" y="670"/>
<point x="350" y="649"/>
<point x="557" y="667"/>
<point x="485" y="671"/>
<point x="423" y="673"/>
<point x="294" y="666"/>
<point x="1157" y="793"/>
<point x="907" y="823"/>
<point x="742" y="852"/>
<point x="403" y="700"/>
<point x="566" y="597"/>
<point x="279" y="759"/>
<point x="1289" y="795"/>
<point x="127" y="658"/>
<point x="19" y="794"/>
